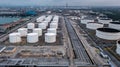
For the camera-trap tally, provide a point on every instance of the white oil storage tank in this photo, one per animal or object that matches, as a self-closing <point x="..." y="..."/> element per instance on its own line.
<point x="14" y="37"/>
<point x="118" y="47"/>
<point x="54" y="22"/>
<point x="51" y="30"/>
<point x="85" y="21"/>
<point x="41" y="18"/>
<point x="114" y="25"/>
<point x="32" y="37"/>
<point x="38" y="30"/>
<point x="46" y="22"/>
<point x="50" y="37"/>
<point x="108" y="33"/>
<point x="42" y="25"/>
<point x="54" y="25"/>
<point x="30" y="25"/>
<point x="105" y="20"/>
<point x="93" y="25"/>
<point x="23" y="31"/>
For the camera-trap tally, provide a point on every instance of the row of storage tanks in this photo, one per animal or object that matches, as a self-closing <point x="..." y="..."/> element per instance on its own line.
<point x="112" y="32"/>
<point x="50" y="36"/>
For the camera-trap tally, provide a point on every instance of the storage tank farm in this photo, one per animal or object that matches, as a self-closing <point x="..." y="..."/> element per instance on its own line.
<point x="46" y="30"/>
<point x="111" y="32"/>
<point x="50" y="36"/>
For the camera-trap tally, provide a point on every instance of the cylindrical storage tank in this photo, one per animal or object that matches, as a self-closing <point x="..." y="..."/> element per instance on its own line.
<point x="108" y="33"/>
<point x="50" y="37"/>
<point x="38" y="30"/>
<point x="54" y="25"/>
<point x="118" y="47"/>
<point x="40" y="19"/>
<point x="114" y="25"/>
<point x="94" y="26"/>
<point x="48" y="19"/>
<point x="30" y="25"/>
<point x="51" y="30"/>
<point x="56" y="18"/>
<point x="83" y="16"/>
<point x="105" y="21"/>
<point x="85" y="21"/>
<point x="23" y="31"/>
<point x="32" y="37"/>
<point x="14" y="37"/>
<point x="42" y="25"/>
<point x="46" y="22"/>
<point x="54" y="22"/>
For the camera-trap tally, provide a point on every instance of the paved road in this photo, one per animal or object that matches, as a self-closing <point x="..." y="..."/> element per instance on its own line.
<point x="68" y="44"/>
<point x="76" y="44"/>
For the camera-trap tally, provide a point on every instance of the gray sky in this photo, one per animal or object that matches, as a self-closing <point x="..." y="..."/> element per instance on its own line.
<point x="62" y="2"/>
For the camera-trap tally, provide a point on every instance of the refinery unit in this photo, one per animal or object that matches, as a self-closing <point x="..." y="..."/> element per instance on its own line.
<point x="62" y="40"/>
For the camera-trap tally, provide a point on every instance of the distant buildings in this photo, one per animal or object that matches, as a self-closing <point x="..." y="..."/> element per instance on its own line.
<point x="4" y="27"/>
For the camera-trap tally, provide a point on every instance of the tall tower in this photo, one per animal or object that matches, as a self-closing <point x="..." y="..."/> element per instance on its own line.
<point x="66" y="5"/>
<point x="118" y="47"/>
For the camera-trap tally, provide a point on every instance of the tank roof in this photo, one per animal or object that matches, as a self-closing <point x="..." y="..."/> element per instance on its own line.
<point x="94" y="23"/>
<point x="108" y="30"/>
<point x="51" y="28"/>
<point x="14" y="33"/>
<point x="32" y="34"/>
<point x="50" y="34"/>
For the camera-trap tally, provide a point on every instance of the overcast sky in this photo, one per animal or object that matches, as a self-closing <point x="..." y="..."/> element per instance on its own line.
<point x="62" y="2"/>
